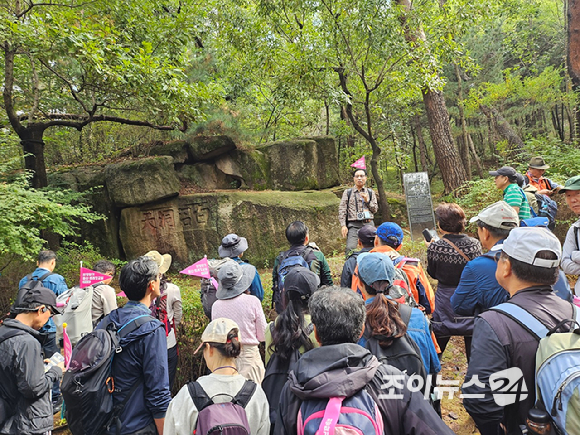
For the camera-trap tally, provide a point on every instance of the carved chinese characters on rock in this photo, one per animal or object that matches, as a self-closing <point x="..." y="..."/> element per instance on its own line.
<point x="193" y="216"/>
<point x="157" y="222"/>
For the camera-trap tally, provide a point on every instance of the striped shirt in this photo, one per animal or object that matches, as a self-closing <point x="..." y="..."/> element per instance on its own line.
<point x="515" y="196"/>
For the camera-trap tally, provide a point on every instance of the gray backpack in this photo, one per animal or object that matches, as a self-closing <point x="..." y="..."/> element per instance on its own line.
<point x="207" y="291"/>
<point x="227" y="418"/>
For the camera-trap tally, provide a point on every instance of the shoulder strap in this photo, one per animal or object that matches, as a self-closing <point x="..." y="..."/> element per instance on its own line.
<point x="405" y="312"/>
<point x="370" y="194"/>
<point x="526" y="179"/>
<point x="348" y="195"/>
<point x="10" y="334"/>
<point x="134" y="324"/>
<point x="200" y="398"/>
<point x="245" y="394"/>
<point x="306" y="252"/>
<point x="523" y="318"/>
<point x="576" y="237"/>
<point x="454" y="246"/>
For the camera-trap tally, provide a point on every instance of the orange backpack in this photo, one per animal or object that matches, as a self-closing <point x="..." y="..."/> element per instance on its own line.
<point x="418" y="282"/>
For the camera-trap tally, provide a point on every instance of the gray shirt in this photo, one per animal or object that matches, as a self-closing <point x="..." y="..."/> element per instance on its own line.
<point x="104" y="301"/>
<point x="571" y="254"/>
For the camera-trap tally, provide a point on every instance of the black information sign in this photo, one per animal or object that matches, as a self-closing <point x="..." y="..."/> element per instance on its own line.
<point x="419" y="204"/>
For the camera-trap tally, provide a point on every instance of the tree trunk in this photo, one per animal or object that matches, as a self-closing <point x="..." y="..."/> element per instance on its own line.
<point x="573" y="52"/>
<point x="452" y="170"/>
<point x="504" y="130"/>
<point x="422" y="146"/>
<point x="465" y="142"/>
<point x="382" y="195"/>
<point x="33" y="147"/>
<point x="475" y="156"/>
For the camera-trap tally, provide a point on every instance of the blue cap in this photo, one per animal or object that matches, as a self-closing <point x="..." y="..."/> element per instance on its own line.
<point x="374" y="266"/>
<point x="390" y="232"/>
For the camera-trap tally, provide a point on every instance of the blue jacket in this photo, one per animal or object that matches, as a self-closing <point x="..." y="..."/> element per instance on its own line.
<point x="478" y="290"/>
<point x="419" y="331"/>
<point x="143" y="359"/>
<point x="256" y="288"/>
<point x="54" y="282"/>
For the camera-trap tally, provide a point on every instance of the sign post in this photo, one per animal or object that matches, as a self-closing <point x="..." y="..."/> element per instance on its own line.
<point x="419" y="204"/>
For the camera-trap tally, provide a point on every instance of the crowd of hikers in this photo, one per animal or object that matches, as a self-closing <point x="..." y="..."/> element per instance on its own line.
<point x="362" y="356"/>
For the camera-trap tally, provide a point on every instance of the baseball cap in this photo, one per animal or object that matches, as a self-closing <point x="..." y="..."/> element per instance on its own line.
<point x="571" y="184"/>
<point x="524" y="243"/>
<point x="374" y="266"/>
<point x="538" y="163"/>
<point x="508" y="171"/>
<point x="390" y="232"/>
<point x="497" y="215"/>
<point x="217" y="331"/>
<point x="30" y="299"/>
<point x="367" y="234"/>
<point x="300" y="283"/>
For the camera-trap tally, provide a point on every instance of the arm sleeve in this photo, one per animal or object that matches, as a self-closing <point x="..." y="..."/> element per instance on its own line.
<point x="109" y="299"/>
<point x="325" y="275"/>
<point x="181" y="416"/>
<point x="315" y="267"/>
<point x="346" y="276"/>
<point x="488" y="356"/>
<point x="177" y="308"/>
<point x="431" y="263"/>
<point x="343" y="208"/>
<point x="28" y="370"/>
<point x="373" y="204"/>
<point x="260" y="321"/>
<point x="256" y="287"/>
<point x="464" y="299"/>
<point x="571" y="254"/>
<point x="155" y="373"/>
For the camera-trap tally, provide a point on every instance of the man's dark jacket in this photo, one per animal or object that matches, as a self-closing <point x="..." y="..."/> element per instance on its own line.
<point x="343" y="370"/>
<point x="349" y="267"/>
<point x="500" y="343"/>
<point x="24" y="386"/>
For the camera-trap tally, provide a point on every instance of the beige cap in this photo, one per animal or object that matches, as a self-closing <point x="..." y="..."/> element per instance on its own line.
<point x="163" y="261"/>
<point x="524" y="243"/>
<point x="217" y="332"/>
<point x="497" y="215"/>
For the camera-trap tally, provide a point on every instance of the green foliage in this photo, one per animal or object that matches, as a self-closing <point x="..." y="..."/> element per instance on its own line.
<point x="476" y="195"/>
<point x="26" y="212"/>
<point x="563" y="159"/>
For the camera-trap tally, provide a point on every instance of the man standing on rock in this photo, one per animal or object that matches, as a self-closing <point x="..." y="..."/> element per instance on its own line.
<point x="356" y="209"/>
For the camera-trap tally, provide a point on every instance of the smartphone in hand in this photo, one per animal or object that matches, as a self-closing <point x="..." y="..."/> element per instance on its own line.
<point x="427" y="235"/>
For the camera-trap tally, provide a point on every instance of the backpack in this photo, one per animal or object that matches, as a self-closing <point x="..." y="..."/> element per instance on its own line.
<point x="348" y="195"/>
<point x="88" y="387"/>
<point x="557" y="369"/>
<point x="77" y="313"/>
<point x="358" y="414"/>
<point x="399" y="290"/>
<point x="159" y="311"/>
<point x="287" y="261"/>
<point x="276" y="375"/>
<point x="207" y="291"/>
<point x="32" y="283"/>
<point x="547" y="207"/>
<point x="418" y="282"/>
<point x="403" y="353"/>
<point x="228" y="418"/>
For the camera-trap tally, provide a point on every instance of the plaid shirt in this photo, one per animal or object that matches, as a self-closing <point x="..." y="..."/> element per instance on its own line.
<point x="356" y="203"/>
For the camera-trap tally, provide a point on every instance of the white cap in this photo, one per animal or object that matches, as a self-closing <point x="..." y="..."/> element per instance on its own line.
<point x="497" y="215"/>
<point x="217" y="331"/>
<point x="524" y="243"/>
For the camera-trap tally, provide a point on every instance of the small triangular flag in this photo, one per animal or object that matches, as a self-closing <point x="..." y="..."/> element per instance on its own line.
<point x="200" y="268"/>
<point x="89" y="277"/>
<point x="360" y="163"/>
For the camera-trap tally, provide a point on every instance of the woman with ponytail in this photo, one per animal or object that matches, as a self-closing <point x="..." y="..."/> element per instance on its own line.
<point x="387" y="322"/>
<point x="291" y="335"/>
<point x="221" y="344"/>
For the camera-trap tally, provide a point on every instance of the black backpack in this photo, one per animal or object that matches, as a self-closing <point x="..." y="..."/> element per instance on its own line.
<point x="276" y="375"/>
<point x="403" y="353"/>
<point x="31" y="284"/>
<point x="87" y="387"/>
<point x="287" y="261"/>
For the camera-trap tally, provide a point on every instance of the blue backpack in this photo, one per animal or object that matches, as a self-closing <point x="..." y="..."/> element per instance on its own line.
<point x="339" y="415"/>
<point x="557" y="368"/>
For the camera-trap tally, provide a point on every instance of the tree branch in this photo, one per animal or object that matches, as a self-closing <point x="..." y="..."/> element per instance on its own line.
<point x="32" y="5"/>
<point x="8" y="87"/>
<point x="69" y="84"/>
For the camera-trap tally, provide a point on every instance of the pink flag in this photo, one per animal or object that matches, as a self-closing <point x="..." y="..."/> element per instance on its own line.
<point x="67" y="346"/>
<point x="360" y="163"/>
<point x="214" y="282"/>
<point x="89" y="277"/>
<point x="121" y="295"/>
<point x="201" y="268"/>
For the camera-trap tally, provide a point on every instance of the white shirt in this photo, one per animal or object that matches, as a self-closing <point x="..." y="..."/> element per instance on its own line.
<point x="104" y="301"/>
<point x="174" y="311"/>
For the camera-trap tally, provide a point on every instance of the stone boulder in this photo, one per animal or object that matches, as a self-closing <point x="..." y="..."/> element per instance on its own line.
<point x="103" y="234"/>
<point x="141" y="181"/>
<point x="250" y="167"/>
<point x="210" y="147"/>
<point x="207" y="176"/>
<point x="177" y="149"/>
<point x="191" y="226"/>
<point x="302" y="164"/>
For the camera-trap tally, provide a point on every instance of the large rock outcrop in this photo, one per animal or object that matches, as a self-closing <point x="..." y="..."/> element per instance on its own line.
<point x="191" y="226"/>
<point x="136" y="182"/>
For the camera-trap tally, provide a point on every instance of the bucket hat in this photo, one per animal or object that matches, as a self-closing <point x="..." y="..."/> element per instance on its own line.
<point x="234" y="279"/>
